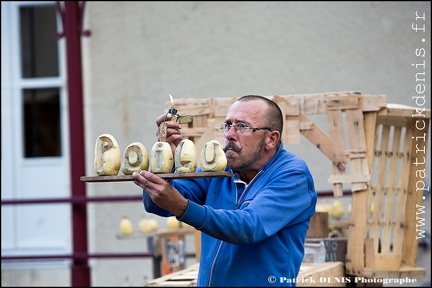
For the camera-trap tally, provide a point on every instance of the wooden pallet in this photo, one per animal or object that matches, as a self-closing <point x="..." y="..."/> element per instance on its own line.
<point x="383" y="243"/>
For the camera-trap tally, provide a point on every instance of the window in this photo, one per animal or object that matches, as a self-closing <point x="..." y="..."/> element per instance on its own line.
<point x="39" y="51"/>
<point x="41" y="122"/>
<point x="34" y="131"/>
<point x="39" y="59"/>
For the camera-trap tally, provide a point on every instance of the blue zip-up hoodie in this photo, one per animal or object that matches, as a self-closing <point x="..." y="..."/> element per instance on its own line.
<point x="255" y="236"/>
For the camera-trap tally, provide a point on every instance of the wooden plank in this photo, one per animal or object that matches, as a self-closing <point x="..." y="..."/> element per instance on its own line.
<point x="381" y="260"/>
<point x="369" y="253"/>
<point x="320" y="103"/>
<point x="404" y="111"/>
<point x="282" y="107"/>
<point x="314" y="104"/>
<point x="323" y="142"/>
<point x="336" y="130"/>
<point x="194" y="111"/>
<point x="387" y="261"/>
<point x="381" y="189"/>
<point x="343" y="103"/>
<point x="191" y="106"/>
<point x="356" y="135"/>
<point x="368" y="103"/>
<point x="172" y="283"/>
<point x="388" y="214"/>
<point x="166" y="280"/>
<point x="176" y="232"/>
<point x="357" y="153"/>
<point x="119" y="178"/>
<point x="373" y="103"/>
<point x="414" y="194"/>
<point x="393" y="121"/>
<point x="200" y="121"/>
<point x="405" y="271"/>
<point x="194" y="131"/>
<point x="292" y="107"/>
<point x="306" y="103"/>
<point x="292" y="135"/>
<point x="349" y="179"/>
<point x="360" y="211"/>
<point x="189" y="102"/>
<point x="371" y="136"/>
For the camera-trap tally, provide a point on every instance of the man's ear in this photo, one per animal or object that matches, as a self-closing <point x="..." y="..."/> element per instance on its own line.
<point x="272" y="140"/>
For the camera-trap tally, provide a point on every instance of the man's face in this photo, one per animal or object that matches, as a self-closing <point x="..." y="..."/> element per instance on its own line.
<point x="243" y="149"/>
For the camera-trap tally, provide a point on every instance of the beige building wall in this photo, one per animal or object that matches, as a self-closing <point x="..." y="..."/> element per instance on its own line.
<point x="139" y="52"/>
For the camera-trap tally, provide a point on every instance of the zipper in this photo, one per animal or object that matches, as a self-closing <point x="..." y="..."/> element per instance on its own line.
<point x="247" y="186"/>
<point x="221" y="242"/>
<point x="214" y="262"/>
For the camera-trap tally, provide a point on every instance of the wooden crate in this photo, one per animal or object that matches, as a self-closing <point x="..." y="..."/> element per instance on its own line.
<point x="329" y="250"/>
<point x="383" y="243"/>
<point x="318" y="226"/>
<point x="171" y="245"/>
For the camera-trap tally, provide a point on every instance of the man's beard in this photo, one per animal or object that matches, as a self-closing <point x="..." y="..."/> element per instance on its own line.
<point x="248" y="163"/>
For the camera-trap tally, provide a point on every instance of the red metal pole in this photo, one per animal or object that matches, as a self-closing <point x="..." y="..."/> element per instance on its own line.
<point x="72" y="31"/>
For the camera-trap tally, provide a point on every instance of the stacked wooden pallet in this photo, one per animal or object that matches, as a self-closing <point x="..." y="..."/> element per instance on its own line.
<point x="371" y="145"/>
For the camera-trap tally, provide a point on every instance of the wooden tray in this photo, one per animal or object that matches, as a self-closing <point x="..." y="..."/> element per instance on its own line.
<point x="119" y="178"/>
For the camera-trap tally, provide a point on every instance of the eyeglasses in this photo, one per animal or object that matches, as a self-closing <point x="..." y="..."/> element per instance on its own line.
<point x="240" y="127"/>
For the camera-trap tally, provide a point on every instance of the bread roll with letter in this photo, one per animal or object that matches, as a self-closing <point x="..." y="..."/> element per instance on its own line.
<point x="107" y="156"/>
<point x="161" y="158"/>
<point x="135" y="158"/>
<point x="213" y="158"/>
<point x="185" y="157"/>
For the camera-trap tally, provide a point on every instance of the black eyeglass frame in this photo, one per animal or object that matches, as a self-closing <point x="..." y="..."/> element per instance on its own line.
<point x="241" y="127"/>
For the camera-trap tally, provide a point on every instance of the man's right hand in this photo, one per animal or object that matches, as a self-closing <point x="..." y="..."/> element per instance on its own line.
<point x="173" y="132"/>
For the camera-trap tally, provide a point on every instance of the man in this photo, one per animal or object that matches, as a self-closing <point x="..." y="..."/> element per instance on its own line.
<point x="254" y="224"/>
